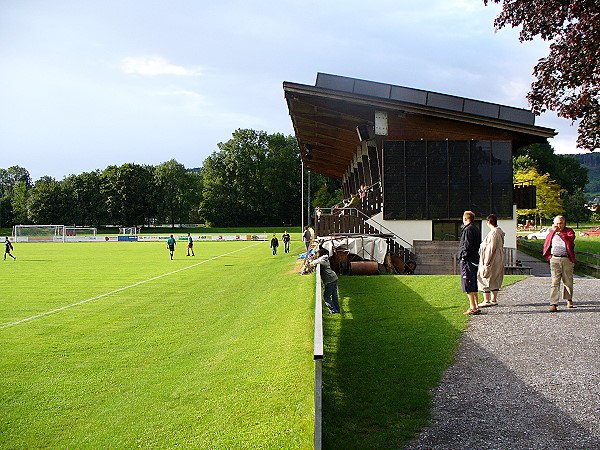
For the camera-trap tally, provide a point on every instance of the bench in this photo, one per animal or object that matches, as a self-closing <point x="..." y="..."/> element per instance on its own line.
<point x="513" y="266"/>
<point x="517" y="270"/>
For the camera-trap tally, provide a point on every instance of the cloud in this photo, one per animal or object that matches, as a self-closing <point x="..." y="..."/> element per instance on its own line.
<point x="154" y="65"/>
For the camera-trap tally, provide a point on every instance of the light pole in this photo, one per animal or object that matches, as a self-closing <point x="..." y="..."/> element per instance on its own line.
<point x="302" y="193"/>
<point x="308" y="201"/>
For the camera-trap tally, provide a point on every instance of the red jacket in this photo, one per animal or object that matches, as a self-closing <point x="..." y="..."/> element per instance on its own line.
<point x="567" y="235"/>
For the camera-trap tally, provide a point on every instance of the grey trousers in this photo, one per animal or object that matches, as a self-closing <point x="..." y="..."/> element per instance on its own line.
<point x="561" y="269"/>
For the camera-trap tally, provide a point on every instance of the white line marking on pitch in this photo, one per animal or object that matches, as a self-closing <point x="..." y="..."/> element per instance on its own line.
<point x="123" y="288"/>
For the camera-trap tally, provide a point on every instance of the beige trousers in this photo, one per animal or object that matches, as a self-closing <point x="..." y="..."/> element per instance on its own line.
<point x="561" y="269"/>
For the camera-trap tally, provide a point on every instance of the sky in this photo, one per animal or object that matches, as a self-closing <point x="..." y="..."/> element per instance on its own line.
<point x="88" y="84"/>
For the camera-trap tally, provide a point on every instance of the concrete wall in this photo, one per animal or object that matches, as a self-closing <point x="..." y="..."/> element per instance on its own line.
<point x="437" y="257"/>
<point x="409" y="230"/>
<point x="422" y="230"/>
<point x="510" y="228"/>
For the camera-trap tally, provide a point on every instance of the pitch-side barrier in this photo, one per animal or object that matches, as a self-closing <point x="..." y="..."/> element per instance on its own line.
<point x="318" y="356"/>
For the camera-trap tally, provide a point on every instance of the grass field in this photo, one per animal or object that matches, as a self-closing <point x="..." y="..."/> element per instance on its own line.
<point x="587" y="244"/>
<point x="126" y="348"/>
<point x="385" y="352"/>
<point x="213" y="351"/>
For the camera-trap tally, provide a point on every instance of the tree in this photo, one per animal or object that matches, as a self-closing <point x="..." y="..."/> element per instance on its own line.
<point x="233" y="181"/>
<point x="281" y="180"/>
<point x="524" y="163"/>
<point x="252" y="180"/>
<point x="19" y="199"/>
<point x="11" y="176"/>
<point x="9" y="179"/>
<point x="548" y="194"/>
<point x="129" y="194"/>
<point x="179" y="191"/>
<point x="575" y="208"/>
<point x="565" y="170"/>
<point x="567" y="79"/>
<point x="322" y="198"/>
<point x="47" y="202"/>
<point x="83" y="190"/>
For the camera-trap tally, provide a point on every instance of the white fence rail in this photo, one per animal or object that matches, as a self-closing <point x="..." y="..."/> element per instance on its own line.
<point x="318" y="357"/>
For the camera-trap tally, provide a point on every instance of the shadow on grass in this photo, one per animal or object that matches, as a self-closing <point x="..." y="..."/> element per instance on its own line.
<point x="384" y="354"/>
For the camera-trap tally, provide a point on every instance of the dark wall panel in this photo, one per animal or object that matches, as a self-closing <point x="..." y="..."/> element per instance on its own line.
<point x="437" y="179"/>
<point x="394" y="204"/>
<point x="459" y="163"/>
<point x="442" y="179"/>
<point x="502" y="183"/>
<point x="481" y="177"/>
<point x="416" y="179"/>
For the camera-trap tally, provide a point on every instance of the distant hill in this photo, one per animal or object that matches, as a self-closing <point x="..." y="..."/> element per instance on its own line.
<point x="592" y="162"/>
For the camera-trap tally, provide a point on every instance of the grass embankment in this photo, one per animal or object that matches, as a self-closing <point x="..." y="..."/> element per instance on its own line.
<point x="585" y="244"/>
<point x="218" y="355"/>
<point x="384" y="354"/>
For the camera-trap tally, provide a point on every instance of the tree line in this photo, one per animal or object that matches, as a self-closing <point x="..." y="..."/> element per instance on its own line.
<point x="130" y="194"/>
<point x="252" y="179"/>
<point x="559" y="182"/>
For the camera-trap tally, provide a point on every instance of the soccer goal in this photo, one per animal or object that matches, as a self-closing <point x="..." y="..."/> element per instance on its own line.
<point x="80" y="231"/>
<point x="130" y="230"/>
<point x="39" y="233"/>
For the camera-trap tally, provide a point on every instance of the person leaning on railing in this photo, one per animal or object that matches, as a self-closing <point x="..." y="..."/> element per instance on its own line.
<point x="329" y="277"/>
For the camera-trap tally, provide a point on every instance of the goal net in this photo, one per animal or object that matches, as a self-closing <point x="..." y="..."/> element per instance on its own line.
<point x="80" y="231"/>
<point x="129" y="230"/>
<point x="39" y="233"/>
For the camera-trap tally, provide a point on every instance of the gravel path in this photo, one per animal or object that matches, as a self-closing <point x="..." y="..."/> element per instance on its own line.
<point x="523" y="378"/>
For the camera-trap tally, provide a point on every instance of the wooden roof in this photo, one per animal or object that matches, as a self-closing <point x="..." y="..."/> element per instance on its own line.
<point x="325" y="118"/>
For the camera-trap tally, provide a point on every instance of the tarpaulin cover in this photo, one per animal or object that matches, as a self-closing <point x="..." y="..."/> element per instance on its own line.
<point x="367" y="247"/>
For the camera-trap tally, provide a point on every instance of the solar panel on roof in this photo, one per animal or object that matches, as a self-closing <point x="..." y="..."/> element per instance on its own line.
<point x="421" y="97"/>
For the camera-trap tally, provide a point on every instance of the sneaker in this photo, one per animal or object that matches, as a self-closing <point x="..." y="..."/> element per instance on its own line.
<point x="553" y="308"/>
<point x="570" y="304"/>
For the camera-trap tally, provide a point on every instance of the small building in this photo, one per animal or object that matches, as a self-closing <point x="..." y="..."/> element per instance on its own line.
<point x="424" y="157"/>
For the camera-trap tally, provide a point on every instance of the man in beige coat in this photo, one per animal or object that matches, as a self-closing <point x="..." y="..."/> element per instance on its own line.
<point x="491" y="263"/>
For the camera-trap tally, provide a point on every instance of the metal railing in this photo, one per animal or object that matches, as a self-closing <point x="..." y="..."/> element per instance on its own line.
<point x="318" y="357"/>
<point x="358" y="213"/>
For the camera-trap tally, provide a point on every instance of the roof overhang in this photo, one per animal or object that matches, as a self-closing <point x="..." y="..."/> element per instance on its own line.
<point x="325" y="121"/>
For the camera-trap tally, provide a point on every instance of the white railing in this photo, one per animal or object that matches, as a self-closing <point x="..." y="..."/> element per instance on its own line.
<point x="318" y="357"/>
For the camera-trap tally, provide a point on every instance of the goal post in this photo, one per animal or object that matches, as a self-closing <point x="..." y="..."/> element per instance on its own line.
<point x="39" y="233"/>
<point x="130" y="230"/>
<point x="80" y="231"/>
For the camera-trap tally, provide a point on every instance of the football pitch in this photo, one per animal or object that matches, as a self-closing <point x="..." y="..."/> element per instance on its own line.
<point x="115" y="345"/>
